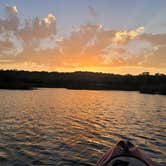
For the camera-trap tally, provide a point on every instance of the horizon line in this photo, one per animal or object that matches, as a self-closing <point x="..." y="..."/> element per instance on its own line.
<point x="84" y="71"/>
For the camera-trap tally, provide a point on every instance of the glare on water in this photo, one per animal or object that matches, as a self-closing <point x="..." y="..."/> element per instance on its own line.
<point x="75" y="127"/>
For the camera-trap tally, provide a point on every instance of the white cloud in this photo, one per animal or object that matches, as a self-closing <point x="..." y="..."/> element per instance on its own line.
<point x="34" y="40"/>
<point x="11" y="10"/>
<point x="11" y="20"/>
<point x="122" y="37"/>
<point x="50" y="19"/>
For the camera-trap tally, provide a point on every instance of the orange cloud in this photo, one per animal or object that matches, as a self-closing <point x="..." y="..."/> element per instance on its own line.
<point x="89" y="46"/>
<point x="5" y="45"/>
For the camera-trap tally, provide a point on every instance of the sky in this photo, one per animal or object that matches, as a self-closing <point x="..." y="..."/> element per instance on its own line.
<point x="113" y="36"/>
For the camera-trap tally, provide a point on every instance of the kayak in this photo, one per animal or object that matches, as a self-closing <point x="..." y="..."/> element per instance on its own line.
<point x="125" y="153"/>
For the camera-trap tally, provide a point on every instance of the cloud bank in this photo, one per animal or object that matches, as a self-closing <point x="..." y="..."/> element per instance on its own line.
<point x="35" y="44"/>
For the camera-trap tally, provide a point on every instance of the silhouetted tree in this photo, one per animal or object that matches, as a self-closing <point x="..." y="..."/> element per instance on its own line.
<point x="145" y="83"/>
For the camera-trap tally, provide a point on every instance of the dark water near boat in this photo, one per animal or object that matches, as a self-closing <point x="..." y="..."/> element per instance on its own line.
<point x="75" y="127"/>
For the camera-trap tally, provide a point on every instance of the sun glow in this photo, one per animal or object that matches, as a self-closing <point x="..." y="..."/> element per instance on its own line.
<point x="89" y="46"/>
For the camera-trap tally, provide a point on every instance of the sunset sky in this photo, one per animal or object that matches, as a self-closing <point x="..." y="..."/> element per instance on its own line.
<point x="115" y="36"/>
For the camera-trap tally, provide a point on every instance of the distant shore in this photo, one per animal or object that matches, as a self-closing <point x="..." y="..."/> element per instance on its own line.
<point x="25" y="80"/>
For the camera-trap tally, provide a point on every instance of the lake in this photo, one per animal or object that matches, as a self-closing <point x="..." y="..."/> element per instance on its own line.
<point x="75" y="127"/>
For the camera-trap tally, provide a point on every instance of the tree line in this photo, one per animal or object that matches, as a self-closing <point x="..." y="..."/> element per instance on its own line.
<point x="145" y="83"/>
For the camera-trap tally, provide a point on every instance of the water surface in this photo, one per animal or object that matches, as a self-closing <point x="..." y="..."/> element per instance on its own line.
<point x="75" y="127"/>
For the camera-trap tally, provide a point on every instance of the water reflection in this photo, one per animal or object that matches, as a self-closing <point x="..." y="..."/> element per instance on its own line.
<point x="67" y="127"/>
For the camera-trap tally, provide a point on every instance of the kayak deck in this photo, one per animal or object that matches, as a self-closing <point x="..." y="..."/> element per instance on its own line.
<point x="125" y="153"/>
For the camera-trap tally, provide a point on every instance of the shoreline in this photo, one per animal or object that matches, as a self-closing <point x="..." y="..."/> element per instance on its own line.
<point x="25" y="80"/>
<point x="37" y="88"/>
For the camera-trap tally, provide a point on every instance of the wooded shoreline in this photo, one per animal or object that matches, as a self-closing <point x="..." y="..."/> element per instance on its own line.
<point x="144" y="83"/>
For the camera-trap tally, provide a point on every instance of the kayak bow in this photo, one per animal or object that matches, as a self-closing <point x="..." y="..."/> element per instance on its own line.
<point x="125" y="153"/>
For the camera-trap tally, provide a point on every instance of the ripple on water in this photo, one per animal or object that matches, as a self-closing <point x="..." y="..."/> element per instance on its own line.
<point x="66" y="127"/>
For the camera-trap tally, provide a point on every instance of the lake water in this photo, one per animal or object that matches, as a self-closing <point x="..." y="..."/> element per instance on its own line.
<point x="75" y="127"/>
